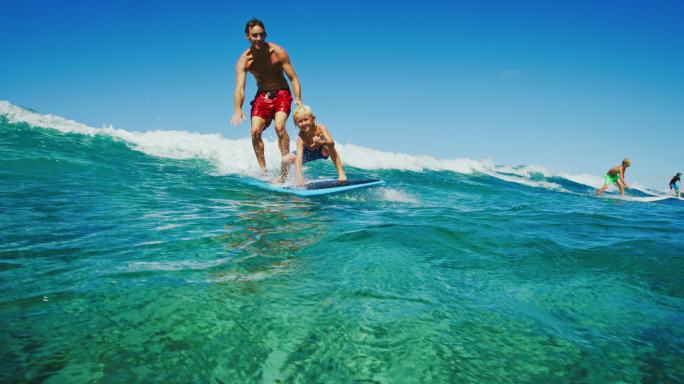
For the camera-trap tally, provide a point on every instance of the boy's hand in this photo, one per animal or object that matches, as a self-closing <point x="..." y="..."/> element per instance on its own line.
<point x="300" y="181"/>
<point x="319" y="139"/>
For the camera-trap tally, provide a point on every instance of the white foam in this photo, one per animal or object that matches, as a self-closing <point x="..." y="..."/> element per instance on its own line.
<point x="366" y="158"/>
<point x="237" y="156"/>
<point x="527" y="171"/>
<point x="584" y="179"/>
<point x="183" y="265"/>
<point x="391" y="195"/>
<point x="273" y="271"/>
<point x="228" y="156"/>
<point x="524" y="179"/>
<point x="397" y="196"/>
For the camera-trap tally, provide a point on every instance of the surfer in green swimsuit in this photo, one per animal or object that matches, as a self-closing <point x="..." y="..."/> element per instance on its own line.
<point x="616" y="175"/>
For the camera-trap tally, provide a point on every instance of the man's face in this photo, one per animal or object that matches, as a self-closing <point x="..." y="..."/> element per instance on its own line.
<point x="256" y="36"/>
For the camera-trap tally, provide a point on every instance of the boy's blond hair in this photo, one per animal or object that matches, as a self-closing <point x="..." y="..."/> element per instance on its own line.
<point x="305" y="109"/>
<point x="626" y="162"/>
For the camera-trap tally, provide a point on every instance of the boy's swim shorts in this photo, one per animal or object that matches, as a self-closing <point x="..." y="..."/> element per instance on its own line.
<point x="312" y="155"/>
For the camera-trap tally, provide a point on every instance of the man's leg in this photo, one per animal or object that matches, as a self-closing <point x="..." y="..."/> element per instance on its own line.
<point x="283" y="141"/>
<point x="258" y="125"/>
<point x="600" y="190"/>
<point x="286" y="162"/>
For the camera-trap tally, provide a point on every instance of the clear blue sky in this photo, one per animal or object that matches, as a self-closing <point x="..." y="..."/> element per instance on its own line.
<point x="573" y="86"/>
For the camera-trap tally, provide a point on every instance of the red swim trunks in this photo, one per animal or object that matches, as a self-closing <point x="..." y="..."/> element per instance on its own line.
<point x="267" y="103"/>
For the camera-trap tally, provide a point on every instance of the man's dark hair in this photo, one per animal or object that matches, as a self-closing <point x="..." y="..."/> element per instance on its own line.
<point x="252" y="22"/>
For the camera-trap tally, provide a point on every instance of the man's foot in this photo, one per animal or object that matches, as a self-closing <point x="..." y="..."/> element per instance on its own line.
<point x="263" y="173"/>
<point x="278" y="180"/>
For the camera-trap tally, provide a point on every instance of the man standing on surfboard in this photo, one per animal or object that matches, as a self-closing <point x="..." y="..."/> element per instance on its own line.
<point x="674" y="184"/>
<point x="266" y="62"/>
<point x="616" y="175"/>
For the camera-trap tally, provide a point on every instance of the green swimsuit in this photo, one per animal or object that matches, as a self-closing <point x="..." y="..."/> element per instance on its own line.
<point x="612" y="179"/>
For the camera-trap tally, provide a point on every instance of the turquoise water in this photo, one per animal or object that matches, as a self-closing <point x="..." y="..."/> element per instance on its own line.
<point x="119" y="265"/>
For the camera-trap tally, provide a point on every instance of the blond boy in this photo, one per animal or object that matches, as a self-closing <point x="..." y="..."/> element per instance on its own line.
<point x="313" y="143"/>
<point x="616" y="175"/>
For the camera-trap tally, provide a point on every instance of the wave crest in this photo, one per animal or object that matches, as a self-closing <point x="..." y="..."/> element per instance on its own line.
<point x="237" y="156"/>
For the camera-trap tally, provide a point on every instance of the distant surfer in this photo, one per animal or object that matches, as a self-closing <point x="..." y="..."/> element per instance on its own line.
<point x="616" y="175"/>
<point x="313" y="142"/>
<point x="674" y="184"/>
<point x="266" y="62"/>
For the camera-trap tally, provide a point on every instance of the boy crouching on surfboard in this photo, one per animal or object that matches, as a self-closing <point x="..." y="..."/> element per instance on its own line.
<point x="616" y="175"/>
<point x="314" y="142"/>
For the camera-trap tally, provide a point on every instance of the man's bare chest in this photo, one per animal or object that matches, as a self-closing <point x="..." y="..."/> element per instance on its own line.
<point x="264" y="64"/>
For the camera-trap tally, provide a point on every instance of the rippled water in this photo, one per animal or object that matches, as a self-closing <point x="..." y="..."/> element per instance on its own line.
<point x="119" y="266"/>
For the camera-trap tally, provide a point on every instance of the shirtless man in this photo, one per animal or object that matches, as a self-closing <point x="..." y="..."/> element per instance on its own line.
<point x="266" y="62"/>
<point x="616" y="175"/>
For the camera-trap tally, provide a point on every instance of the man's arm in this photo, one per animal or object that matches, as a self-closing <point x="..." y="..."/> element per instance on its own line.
<point x="292" y="75"/>
<point x="622" y="176"/>
<point x="239" y="96"/>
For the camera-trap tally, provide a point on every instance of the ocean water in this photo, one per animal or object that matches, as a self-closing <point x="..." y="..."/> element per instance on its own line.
<point x="147" y="257"/>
